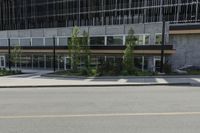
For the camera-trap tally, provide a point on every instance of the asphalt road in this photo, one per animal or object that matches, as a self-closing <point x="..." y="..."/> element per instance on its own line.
<point x="161" y="109"/>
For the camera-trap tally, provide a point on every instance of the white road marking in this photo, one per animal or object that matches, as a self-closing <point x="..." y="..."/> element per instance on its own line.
<point x="196" y="79"/>
<point x="88" y="80"/>
<point x="122" y="80"/>
<point x="100" y="115"/>
<point x="161" y="80"/>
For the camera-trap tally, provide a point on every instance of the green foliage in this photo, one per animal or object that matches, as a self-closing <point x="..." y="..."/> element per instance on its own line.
<point x="4" y="72"/>
<point x="80" y="72"/>
<point x="144" y="73"/>
<point x="85" y="72"/>
<point x="93" y="72"/>
<point x="74" y="48"/>
<point x="167" y="68"/>
<point x="128" y="58"/>
<point x="85" y="48"/>
<point x="193" y="72"/>
<point x="16" y="55"/>
<point x="108" y="68"/>
<point x="79" y="49"/>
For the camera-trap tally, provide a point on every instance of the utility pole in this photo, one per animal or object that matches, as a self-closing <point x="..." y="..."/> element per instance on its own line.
<point x="163" y="40"/>
<point x="9" y="54"/>
<point x="9" y="28"/>
<point x="54" y="54"/>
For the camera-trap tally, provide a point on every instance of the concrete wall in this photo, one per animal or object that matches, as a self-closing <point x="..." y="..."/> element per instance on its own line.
<point x="149" y="28"/>
<point x="187" y="50"/>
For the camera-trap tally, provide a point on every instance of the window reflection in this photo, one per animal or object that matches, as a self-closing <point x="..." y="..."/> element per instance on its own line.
<point x="97" y="41"/>
<point x="37" y="42"/>
<point x="114" y="40"/>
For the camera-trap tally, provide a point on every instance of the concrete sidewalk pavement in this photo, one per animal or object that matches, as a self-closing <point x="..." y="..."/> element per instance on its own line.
<point x="35" y="80"/>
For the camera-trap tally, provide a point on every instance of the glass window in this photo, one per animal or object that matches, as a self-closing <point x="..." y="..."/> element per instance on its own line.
<point x="14" y="42"/>
<point x="114" y="40"/>
<point x="110" y="59"/>
<point x="139" y="39"/>
<point x="26" y="61"/>
<point x="3" y="42"/>
<point x="97" y="60"/>
<point x="94" y="61"/>
<point x="158" y="39"/>
<point x="97" y="41"/>
<point x="141" y="62"/>
<point x="62" y="41"/>
<point x="49" y="41"/>
<point x="60" y="61"/>
<point x="41" y="61"/>
<point x="35" y="61"/>
<point x="37" y="42"/>
<point x="147" y="39"/>
<point x="67" y="63"/>
<point x="138" y="62"/>
<point x="25" y="42"/>
<point x="49" y="62"/>
<point x="145" y="63"/>
<point x="78" y="40"/>
<point x="2" y="64"/>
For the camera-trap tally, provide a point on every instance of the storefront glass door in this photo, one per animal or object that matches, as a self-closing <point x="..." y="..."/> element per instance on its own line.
<point x="2" y="62"/>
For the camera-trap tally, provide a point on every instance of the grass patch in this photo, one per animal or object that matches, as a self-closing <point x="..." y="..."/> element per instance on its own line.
<point x="193" y="72"/>
<point x="4" y="72"/>
<point x="82" y="72"/>
<point x="95" y="73"/>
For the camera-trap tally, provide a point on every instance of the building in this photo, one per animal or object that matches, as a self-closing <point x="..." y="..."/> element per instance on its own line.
<point x="32" y="24"/>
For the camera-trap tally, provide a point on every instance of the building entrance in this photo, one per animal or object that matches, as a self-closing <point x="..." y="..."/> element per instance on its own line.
<point x="67" y="63"/>
<point x="157" y="62"/>
<point x="2" y="62"/>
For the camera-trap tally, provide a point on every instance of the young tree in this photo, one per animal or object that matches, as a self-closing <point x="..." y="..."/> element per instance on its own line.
<point x="128" y="58"/>
<point x="74" y="49"/>
<point x="16" y="55"/>
<point x="85" y="50"/>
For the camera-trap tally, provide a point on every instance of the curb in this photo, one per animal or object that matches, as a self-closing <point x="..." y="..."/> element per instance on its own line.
<point x="98" y="85"/>
<point x="118" y="77"/>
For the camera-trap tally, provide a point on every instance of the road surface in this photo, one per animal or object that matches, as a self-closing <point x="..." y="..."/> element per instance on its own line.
<point x="160" y="109"/>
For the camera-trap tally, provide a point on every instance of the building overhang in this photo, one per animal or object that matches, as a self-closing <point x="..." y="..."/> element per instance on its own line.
<point x="180" y="29"/>
<point x="99" y="50"/>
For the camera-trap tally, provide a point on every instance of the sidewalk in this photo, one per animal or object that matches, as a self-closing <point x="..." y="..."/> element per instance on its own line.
<point x="119" y="77"/>
<point x="35" y="80"/>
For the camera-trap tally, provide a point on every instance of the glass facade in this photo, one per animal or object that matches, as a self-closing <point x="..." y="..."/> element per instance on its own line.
<point x="3" y="42"/>
<point x="115" y="40"/>
<point x="97" y="41"/>
<point x="62" y="41"/>
<point x="147" y="40"/>
<point x="25" y="42"/>
<point x="49" y="41"/>
<point x="27" y="14"/>
<point x="141" y="62"/>
<point x="158" y="39"/>
<point x="26" y="61"/>
<point x="63" y="62"/>
<point x="140" y="39"/>
<point x="37" y="41"/>
<point x="14" y="42"/>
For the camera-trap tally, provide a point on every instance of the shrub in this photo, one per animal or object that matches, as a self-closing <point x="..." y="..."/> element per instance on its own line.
<point x="4" y="72"/>
<point x="167" y="68"/>
<point x="93" y="72"/>
<point x="109" y="68"/>
<point x="85" y="72"/>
